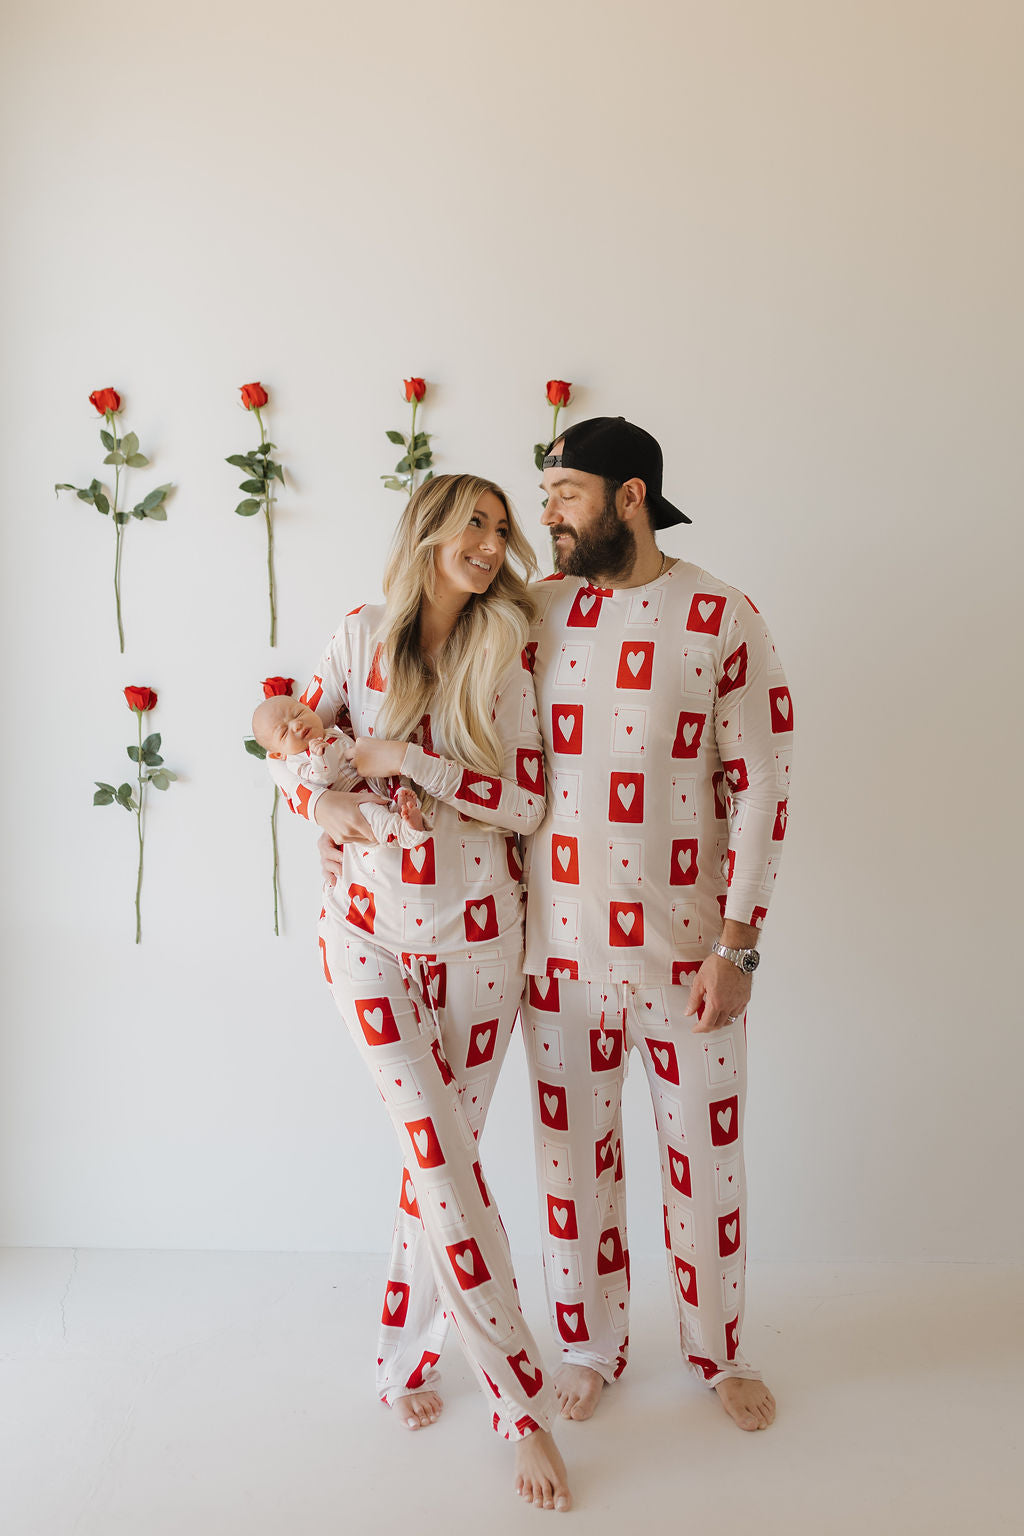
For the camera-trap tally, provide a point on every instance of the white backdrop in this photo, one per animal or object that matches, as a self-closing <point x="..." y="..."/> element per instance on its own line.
<point x="786" y="237"/>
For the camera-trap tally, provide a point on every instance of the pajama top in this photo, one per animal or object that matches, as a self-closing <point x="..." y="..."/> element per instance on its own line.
<point x="667" y="728"/>
<point x="460" y="890"/>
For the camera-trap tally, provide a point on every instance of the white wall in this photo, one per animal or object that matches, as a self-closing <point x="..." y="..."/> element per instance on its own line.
<point x="787" y="237"/>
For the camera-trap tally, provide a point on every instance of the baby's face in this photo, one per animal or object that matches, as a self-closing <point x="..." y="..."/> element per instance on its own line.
<point x="284" y="726"/>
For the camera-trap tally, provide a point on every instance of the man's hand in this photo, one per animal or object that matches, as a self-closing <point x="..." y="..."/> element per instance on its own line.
<point x="373" y="759"/>
<point x="720" y="993"/>
<point x="339" y="815"/>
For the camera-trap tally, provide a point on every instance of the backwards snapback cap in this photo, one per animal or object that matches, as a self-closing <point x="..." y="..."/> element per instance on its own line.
<point x="614" y="448"/>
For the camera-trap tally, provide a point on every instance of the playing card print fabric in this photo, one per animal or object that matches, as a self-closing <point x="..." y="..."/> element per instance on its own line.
<point x="461" y="886"/>
<point x="578" y="1037"/>
<point x="668" y="727"/>
<point x="433" y="1034"/>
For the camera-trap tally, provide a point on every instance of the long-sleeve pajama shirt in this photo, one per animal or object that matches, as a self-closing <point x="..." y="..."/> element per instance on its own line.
<point x="667" y="727"/>
<point x="422" y="948"/>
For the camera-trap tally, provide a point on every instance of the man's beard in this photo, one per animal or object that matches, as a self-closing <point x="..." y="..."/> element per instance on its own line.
<point x="608" y="548"/>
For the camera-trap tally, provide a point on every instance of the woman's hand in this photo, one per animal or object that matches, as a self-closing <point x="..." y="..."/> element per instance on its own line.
<point x="373" y="759"/>
<point x="339" y="815"/>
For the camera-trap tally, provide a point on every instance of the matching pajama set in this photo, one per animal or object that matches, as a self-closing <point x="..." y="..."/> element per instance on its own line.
<point x="667" y="727"/>
<point x="422" y="947"/>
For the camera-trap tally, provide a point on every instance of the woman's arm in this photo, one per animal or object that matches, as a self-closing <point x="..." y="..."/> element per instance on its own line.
<point x="514" y="800"/>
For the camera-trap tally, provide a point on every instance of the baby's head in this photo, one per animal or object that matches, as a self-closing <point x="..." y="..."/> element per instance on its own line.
<point x="284" y="726"/>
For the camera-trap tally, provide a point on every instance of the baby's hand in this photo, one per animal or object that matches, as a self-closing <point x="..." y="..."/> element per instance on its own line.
<point x="317" y="746"/>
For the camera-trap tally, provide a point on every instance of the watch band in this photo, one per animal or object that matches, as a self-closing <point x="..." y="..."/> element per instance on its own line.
<point x="747" y="960"/>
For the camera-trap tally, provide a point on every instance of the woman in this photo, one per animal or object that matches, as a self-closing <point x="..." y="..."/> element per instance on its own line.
<point x="422" y="946"/>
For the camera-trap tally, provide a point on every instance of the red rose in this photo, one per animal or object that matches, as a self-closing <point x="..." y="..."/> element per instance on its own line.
<point x="273" y="686"/>
<point x="140" y="699"/>
<point x="415" y="389"/>
<point x="105" y="400"/>
<point x="559" y="391"/>
<point x="253" y="396"/>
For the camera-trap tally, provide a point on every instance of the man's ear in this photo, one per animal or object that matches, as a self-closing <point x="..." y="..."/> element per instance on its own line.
<point x="635" y="494"/>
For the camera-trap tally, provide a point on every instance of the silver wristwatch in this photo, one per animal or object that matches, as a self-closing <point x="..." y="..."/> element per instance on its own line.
<point x="748" y="960"/>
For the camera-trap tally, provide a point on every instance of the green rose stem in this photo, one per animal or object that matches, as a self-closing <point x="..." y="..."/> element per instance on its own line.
<point x="268" y="505"/>
<point x="138" y="822"/>
<point x="118" y="531"/>
<point x="273" y="839"/>
<point x="554" y="423"/>
<point x="412" y="450"/>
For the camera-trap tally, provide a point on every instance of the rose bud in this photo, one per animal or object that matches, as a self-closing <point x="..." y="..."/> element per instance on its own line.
<point x="415" y="389"/>
<point x="253" y="396"/>
<point x="559" y="391"/>
<point x="140" y="699"/>
<point x="105" y="400"/>
<point x="274" y="686"/>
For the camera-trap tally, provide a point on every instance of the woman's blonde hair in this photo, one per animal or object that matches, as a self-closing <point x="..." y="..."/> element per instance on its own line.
<point x="490" y="632"/>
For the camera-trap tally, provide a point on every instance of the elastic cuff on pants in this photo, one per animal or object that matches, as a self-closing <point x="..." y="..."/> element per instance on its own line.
<point x="608" y="1370"/>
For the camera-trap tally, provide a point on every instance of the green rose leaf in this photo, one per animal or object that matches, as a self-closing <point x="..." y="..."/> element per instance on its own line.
<point x="100" y="785"/>
<point x="102" y="797"/>
<point x="123" y="794"/>
<point x="114" y="458"/>
<point x="102" y="504"/>
<point x="133" y="753"/>
<point x="137" y="511"/>
<point x="168" y="775"/>
<point x="428" y="476"/>
<point x="403" y="465"/>
<point x="396" y="437"/>
<point x="251" y="486"/>
<point x="275" y="471"/>
<point x="84" y="495"/>
<point x="248" y="507"/>
<point x="539" y="450"/>
<point x="129" y="444"/>
<point x="155" y="497"/>
<point x="137" y="460"/>
<point x="421" y="440"/>
<point x="121" y="517"/>
<point x="152" y="759"/>
<point x="158" y="780"/>
<point x="107" y="439"/>
<point x="158" y="514"/>
<point x="392" y="483"/>
<point x="254" y="749"/>
<point x="421" y="461"/>
<point x="152" y="743"/>
<point x="239" y="460"/>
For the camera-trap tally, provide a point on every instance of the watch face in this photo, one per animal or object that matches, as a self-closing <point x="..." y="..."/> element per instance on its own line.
<point x="751" y="961"/>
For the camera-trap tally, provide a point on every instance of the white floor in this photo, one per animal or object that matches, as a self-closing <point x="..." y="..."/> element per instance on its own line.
<point x="159" y="1394"/>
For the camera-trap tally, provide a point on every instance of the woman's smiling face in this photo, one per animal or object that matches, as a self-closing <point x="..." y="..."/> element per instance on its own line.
<point x="469" y="562"/>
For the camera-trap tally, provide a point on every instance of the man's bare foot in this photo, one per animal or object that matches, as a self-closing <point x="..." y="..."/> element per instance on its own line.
<point x="417" y="1410"/>
<point x="577" y="1388"/>
<point x="748" y="1403"/>
<point x="540" y="1472"/>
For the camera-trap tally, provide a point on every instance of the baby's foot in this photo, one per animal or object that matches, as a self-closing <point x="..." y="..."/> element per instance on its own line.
<point x="409" y="809"/>
<point x="418" y="1410"/>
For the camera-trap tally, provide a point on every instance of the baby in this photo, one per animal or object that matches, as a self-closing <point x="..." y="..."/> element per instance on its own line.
<point x="287" y="728"/>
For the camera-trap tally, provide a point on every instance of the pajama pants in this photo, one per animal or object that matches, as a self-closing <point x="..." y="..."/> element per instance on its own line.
<point x="578" y="1037"/>
<point x="433" y="1035"/>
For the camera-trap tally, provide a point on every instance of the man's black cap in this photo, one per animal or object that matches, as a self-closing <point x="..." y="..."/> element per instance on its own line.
<point x="614" y="448"/>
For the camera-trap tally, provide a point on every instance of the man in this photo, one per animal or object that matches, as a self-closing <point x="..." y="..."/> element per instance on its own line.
<point x="667" y="726"/>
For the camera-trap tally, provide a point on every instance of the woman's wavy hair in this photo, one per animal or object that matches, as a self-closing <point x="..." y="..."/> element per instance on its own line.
<point x="489" y="633"/>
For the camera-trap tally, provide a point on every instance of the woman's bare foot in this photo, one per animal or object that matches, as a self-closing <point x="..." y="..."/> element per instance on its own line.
<point x="748" y="1403"/>
<point x="540" y="1472"/>
<point x="577" y="1388"/>
<point x="417" y="1410"/>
